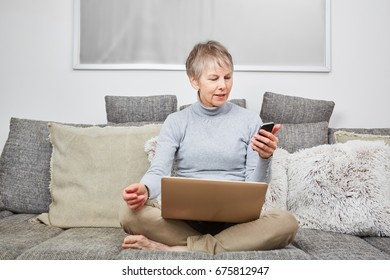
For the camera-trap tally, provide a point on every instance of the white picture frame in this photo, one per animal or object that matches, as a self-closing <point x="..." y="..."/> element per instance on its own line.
<point x="287" y="35"/>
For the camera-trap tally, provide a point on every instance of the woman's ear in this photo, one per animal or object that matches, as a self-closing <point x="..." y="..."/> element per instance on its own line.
<point x="194" y="83"/>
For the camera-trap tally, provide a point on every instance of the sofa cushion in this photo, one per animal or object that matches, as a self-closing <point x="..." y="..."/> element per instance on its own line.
<point x="294" y="137"/>
<point x="342" y="188"/>
<point x="283" y="109"/>
<point x="5" y="213"/>
<point x="324" y="245"/>
<point x="288" y="253"/>
<point x="342" y="136"/>
<point x="162" y="255"/>
<point x="381" y="243"/>
<point x="24" y="167"/>
<point x="89" y="168"/>
<point x="122" y="109"/>
<point x="1" y="203"/>
<point x="79" y="244"/>
<point x="18" y="234"/>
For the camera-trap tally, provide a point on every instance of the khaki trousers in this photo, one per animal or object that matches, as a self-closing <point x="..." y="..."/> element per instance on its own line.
<point x="273" y="230"/>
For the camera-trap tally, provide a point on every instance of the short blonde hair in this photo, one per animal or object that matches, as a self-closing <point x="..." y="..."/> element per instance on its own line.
<point x="204" y="53"/>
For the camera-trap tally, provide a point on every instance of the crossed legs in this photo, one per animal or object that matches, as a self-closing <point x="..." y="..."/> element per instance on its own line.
<point x="149" y="231"/>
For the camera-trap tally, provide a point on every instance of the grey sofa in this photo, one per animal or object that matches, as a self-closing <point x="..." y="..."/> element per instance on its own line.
<point x="25" y="179"/>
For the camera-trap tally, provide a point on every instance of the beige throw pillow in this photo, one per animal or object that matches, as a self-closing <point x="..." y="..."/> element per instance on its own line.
<point x="345" y="136"/>
<point x="89" y="169"/>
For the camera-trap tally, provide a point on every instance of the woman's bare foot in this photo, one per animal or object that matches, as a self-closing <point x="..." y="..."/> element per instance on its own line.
<point x="140" y="242"/>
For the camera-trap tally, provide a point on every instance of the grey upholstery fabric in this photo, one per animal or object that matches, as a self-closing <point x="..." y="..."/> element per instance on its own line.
<point x="25" y="167"/>
<point x="381" y="243"/>
<point x="122" y="109"/>
<point x="283" y="109"/>
<point x="79" y="244"/>
<point x="288" y="253"/>
<point x="336" y="246"/>
<point x="18" y="235"/>
<point x="293" y="137"/>
<point x="239" y="102"/>
<point x="374" y="131"/>
<point x="161" y="255"/>
<point x="5" y="213"/>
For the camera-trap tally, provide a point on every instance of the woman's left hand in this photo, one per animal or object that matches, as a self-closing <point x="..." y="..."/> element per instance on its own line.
<point x="266" y="142"/>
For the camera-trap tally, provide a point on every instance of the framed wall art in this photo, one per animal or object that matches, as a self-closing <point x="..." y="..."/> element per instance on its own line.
<point x="262" y="35"/>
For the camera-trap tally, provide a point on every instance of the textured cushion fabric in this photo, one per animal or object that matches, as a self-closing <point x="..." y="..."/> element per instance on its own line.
<point x="122" y="109"/>
<point x="5" y="213"/>
<point x="79" y="244"/>
<point x="381" y="243"/>
<point x="372" y="131"/>
<point x="1" y="203"/>
<point x="162" y="255"/>
<point x="25" y="167"/>
<point x="276" y="197"/>
<point x="17" y="235"/>
<point x="294" y="137"/>
<point x="239" y="102"/>
<point x="343" y="188"/>
<point x="283" y="109"/>
<point x="288" y="253"/>
<point x="345" y="136"/>
<point x="324" y="245"/>
<point x="89" y="169"/>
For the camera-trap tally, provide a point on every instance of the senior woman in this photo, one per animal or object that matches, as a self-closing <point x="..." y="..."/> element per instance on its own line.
<point x="212" y="139"/>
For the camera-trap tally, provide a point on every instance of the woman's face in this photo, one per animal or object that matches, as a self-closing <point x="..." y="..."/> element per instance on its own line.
<point x="214" y="85"/>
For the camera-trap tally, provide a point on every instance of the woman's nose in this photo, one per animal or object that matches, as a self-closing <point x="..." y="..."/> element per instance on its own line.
<point x="222" y="84"/>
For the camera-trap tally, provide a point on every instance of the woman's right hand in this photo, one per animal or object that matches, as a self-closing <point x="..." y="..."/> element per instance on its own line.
<point x="135" y="196"/>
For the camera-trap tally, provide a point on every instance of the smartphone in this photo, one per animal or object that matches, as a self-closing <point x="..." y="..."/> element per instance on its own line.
<point x="267" y="126"/>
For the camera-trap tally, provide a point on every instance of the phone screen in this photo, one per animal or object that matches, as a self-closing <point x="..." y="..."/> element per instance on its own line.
<point x="267" y="126"/>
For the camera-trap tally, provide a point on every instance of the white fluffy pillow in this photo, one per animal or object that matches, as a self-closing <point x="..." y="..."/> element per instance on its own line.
<point x="343" y="188"/>
<point x="277" y="189"/>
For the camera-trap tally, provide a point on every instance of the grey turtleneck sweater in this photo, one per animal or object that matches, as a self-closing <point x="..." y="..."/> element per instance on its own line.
<point x="211" y="143"/>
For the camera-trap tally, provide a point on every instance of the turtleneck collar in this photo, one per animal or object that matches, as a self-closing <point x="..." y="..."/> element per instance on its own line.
<point x="211" y="111"/>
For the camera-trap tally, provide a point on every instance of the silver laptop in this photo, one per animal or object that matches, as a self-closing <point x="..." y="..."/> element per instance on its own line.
<point x="211" y="200"/>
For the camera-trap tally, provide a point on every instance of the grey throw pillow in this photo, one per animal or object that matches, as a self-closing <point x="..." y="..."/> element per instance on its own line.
<point x="25" y="167"/>
<point x="124" y="109"/>
<point x="281" y="108"/>
<point x="294" y="137"/>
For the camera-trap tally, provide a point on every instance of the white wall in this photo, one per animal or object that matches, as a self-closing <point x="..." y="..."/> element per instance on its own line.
<point x="37" y="80"/>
